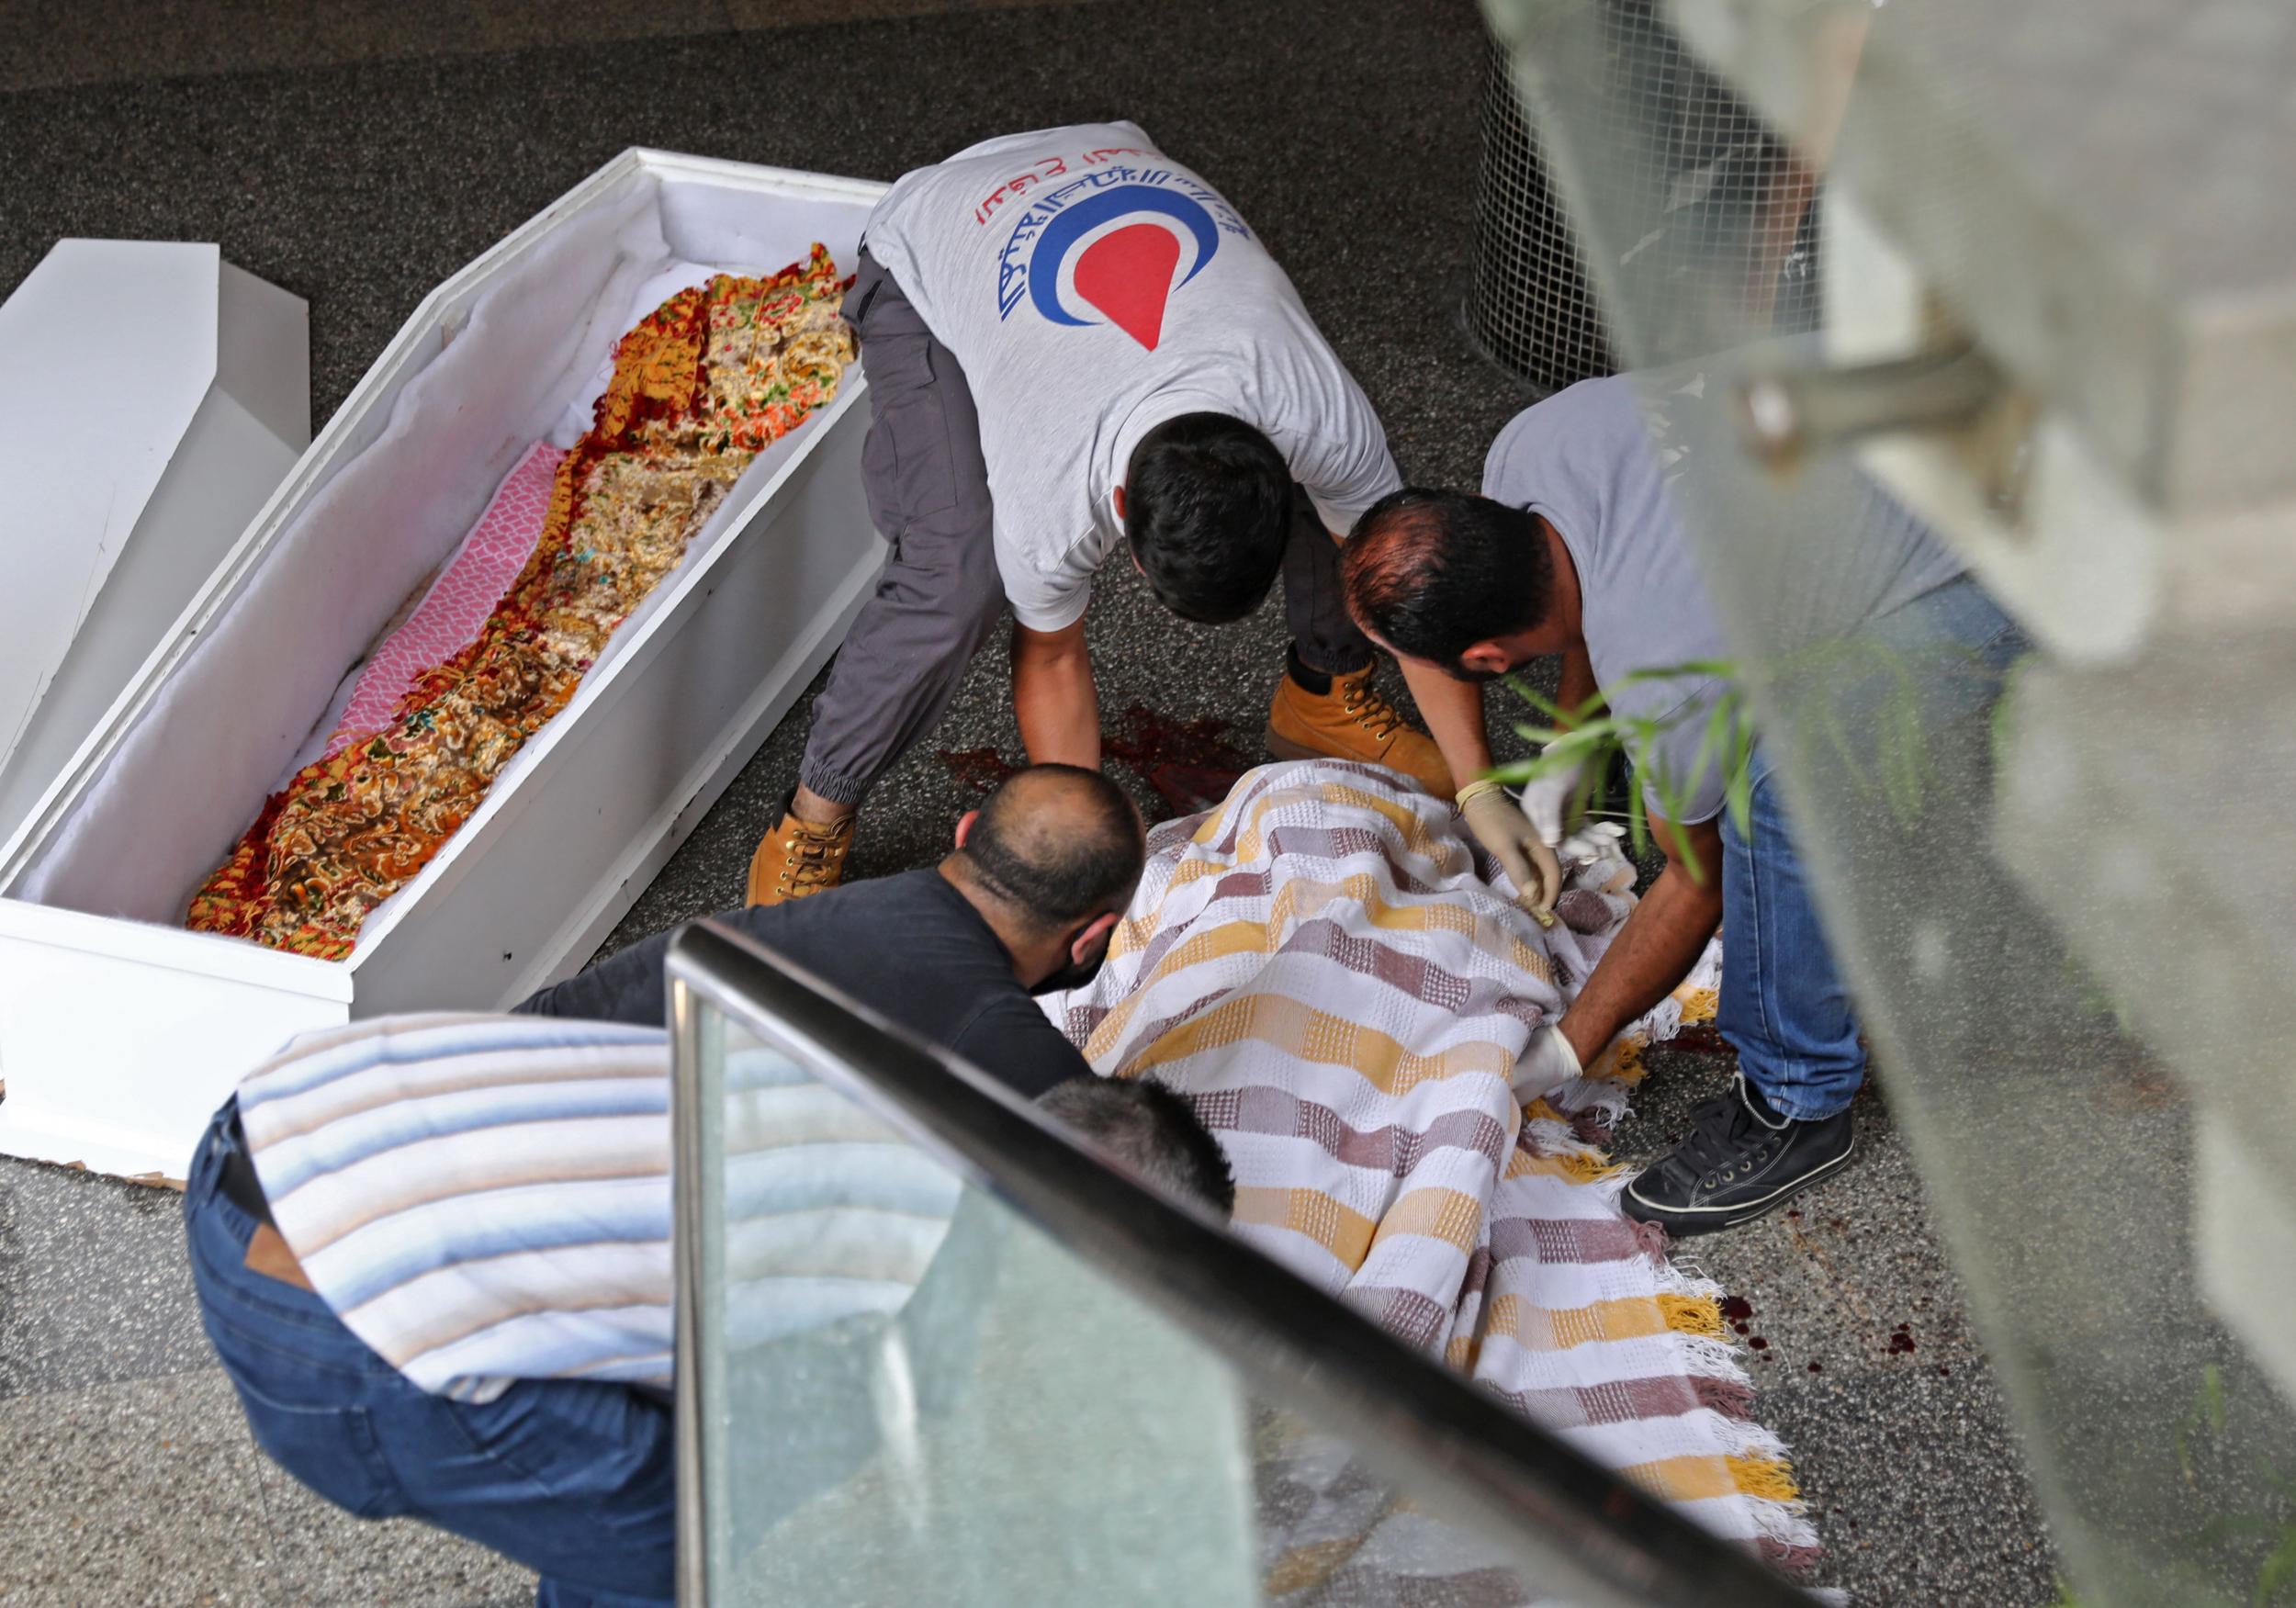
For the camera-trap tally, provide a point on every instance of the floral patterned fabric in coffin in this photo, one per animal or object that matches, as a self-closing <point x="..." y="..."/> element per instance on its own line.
<point x="699" y="388"/>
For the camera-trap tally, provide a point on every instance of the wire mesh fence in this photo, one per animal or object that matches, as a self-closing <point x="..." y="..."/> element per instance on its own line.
<point x="1529" y="307"/>
<point x="1729" y="214"/>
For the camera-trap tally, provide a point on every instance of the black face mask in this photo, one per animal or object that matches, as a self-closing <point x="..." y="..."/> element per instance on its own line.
<point x="1074" y="975"/>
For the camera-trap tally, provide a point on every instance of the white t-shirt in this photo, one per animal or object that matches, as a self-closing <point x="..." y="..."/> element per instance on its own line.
<point x="1092" y="289"/>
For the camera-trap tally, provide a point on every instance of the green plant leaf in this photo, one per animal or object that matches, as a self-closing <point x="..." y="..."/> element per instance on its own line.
<point x="2276" y="1570"/>
<point x="1588" y="737"/>
<point x="2226" y="1527"/>
<point x="1739" y="781"/>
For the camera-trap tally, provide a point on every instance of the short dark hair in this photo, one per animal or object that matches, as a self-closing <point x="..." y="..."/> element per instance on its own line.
<point x="1150" y="1128"/>
<point x="1057" y="843"/>
<point x="1432" y="573"/>
<point x="1207" y="511"/>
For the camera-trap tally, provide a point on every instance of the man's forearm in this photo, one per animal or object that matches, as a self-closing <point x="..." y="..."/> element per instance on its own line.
<point x="1453" y="709"/>
<point x="1653" y="952"/>
<point x="1053" y="697"/>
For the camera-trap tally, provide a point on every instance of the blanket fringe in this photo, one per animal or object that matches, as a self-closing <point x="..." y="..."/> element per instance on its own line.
<point x="1788" y="1558"/>
<point x="1767" y="1477"/>
<point x="1691" y="1314"/>
<point x="1731" y="1397"/>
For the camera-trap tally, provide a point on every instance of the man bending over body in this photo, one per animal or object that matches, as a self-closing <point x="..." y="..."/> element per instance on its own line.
<point x="1075" y="344"/>
<point x="1576" y="547"/>
<point x="1024" y="904"/>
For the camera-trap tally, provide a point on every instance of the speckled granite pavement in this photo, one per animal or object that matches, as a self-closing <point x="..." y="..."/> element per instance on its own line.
<point x="356" y="153"/>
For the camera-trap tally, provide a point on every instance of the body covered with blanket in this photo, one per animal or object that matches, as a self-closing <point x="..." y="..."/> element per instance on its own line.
<point x="1321" y="965"/>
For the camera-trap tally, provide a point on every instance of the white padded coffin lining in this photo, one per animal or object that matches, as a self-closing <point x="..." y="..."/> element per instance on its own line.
<point x="514" y="360"/>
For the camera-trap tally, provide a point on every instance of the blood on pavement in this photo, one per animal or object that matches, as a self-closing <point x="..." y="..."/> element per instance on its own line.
<point x="1191" y="764"/>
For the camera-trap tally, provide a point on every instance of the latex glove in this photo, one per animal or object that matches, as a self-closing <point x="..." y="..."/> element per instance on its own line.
<point x="1507" y="837"/>
<point x="1595" y="857"/>
<point x="1545" y="1065"/>
<point x="1547" y="800"/>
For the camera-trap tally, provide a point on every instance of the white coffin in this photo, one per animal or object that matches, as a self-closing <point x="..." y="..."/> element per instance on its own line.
<point x="151" y="396"/>
<point x="120" y="1031"/>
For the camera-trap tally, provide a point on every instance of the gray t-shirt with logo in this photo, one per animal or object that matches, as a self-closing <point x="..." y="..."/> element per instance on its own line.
<point x="1584" y="460"/>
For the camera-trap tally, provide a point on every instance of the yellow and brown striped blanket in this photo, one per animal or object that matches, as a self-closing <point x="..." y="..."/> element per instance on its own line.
<point x="1321" y="967"/>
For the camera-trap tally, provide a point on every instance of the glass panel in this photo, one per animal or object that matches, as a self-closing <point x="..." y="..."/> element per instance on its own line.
<point x="2067" y="974"/>
<point x="909" y="1395"/>
<point x="1334" y="1534"/>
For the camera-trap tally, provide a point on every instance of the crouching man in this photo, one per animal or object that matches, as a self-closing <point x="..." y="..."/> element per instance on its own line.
<point x="434" y="1255"/>
<point x="434" y="1252"/>
<point x="1023" y="905"/>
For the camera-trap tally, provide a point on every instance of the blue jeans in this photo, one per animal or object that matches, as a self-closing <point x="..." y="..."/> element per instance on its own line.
<point x="574" y="1479"/>
<point x="1785" y="1007"/>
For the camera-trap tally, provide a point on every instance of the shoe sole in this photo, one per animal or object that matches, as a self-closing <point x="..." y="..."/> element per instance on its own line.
<point x="1283" y="747"/>
<point x="1685" y="1222"/>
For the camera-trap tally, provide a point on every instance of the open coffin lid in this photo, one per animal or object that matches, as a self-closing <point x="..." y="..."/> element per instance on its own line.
<point x="155" y="396"/>
<point x="120" y="1031"/>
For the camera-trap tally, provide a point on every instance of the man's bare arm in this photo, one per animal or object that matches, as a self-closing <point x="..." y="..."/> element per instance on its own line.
<point x="1053" y="697"/>
<point x="1660" y="943"/>
<point x="1453" y="709"/>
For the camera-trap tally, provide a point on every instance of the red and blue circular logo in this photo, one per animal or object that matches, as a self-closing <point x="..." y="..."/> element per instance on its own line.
<point x="1112" y="255"/>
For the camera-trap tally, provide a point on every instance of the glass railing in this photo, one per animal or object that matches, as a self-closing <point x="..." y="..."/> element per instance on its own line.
<point x="934" y="1350"/>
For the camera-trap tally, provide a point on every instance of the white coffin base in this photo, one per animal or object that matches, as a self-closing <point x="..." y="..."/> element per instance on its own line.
<point x="120" y="1031"/>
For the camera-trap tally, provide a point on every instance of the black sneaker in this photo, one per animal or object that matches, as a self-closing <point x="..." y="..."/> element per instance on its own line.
<point x="1741" y="1161"/>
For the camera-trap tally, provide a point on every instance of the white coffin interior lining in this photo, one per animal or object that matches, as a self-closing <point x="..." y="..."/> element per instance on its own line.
<point x="507" y="362"/>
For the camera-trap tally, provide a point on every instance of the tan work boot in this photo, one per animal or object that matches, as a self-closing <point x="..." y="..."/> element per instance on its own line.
<point x="798" y="859"/>
<point x="1353" y="722"/>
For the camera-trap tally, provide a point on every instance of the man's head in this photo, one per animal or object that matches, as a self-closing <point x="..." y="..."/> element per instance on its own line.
<point x="1052" y="859"/>
<point x="1152" y="1129"/>
<point x="1448" y="578"/>
<point x="1207" y="509"/>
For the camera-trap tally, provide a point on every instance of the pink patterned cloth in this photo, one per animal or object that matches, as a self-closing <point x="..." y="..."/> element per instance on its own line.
<point x="451" y="614"/>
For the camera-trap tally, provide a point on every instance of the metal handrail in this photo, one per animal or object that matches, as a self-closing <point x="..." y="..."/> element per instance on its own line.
<point x="1559" y="1512"/>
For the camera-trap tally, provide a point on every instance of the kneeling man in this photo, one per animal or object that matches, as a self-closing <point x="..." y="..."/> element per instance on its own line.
<point x="1576" y="547"/>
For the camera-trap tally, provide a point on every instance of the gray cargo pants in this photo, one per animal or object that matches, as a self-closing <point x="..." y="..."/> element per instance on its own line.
<point x="940" y="595"/>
